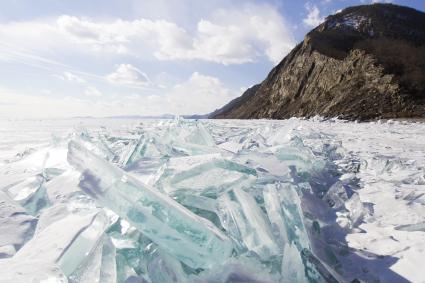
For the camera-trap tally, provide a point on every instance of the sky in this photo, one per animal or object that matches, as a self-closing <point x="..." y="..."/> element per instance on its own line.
<point x="145" y="57"/>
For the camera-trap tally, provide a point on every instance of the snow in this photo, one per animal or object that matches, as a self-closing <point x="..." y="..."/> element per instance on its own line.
<point x="346" y="197"/>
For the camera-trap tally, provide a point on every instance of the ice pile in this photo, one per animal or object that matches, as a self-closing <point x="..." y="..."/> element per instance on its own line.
<point x="189" y="201"/>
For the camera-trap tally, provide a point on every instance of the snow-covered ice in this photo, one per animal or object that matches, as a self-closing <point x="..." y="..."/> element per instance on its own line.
<point x="298" y="200"/>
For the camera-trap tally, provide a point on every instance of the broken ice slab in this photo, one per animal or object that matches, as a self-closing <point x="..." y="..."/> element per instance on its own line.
<point x="411" y="227"/>
<point x="30" y="193"/>
<point x="30" y="271"/>
<point x="275" y="213"/>
<point x="357" y="210"/>
<point x="149" y="146"/>
<point x="89" y="269"/>
<point x="16" y="226"/>
<point x="191" y="239"/>
<point x="68" y="247"/>
<point x="263" y="162"/>
<point x="237" y="270"/>
<point x="200" y="136"/>
<point x="146" y="169"/>
<point x="337" y="195"/>
<point x="100" y="266"/>
<point x="165" y="269"/>
<point x="202" y="173"/>
<point x="293" y="269"/>
<point x="108" y="271"/>
<point x="295" y="153"/>
<point x="64" y="187"/>
<point x="200" y="202"/>
<point x="283" y="207"/>
<point x="96" y="144"/>
<point x="241" y="216"/>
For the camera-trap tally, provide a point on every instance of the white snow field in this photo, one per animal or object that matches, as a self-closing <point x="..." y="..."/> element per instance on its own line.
<point x="119" y="200"/>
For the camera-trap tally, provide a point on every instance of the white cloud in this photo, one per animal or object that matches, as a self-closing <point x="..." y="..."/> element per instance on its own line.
<point x="127" y="74"/>
<point x="227" y="36"/>
<point x="313" y="18"/>
<point x="70" y="77"/>
<point x="199" y="94"/>
<point x="92" y="91"/>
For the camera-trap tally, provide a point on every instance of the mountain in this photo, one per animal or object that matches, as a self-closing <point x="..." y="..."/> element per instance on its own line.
<point x="365" y="62"/>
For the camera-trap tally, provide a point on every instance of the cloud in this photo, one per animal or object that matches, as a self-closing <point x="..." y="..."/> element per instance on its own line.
<point x="227" y="36"/>
<point x="199" y="93"/>
<point x="313" y="18"/>
<point x="70" y="77"/>
<point x="92" y="91"/>
<point x="127" y="74"/>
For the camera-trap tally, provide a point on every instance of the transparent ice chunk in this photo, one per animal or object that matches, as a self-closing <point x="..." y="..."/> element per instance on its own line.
<point x="16" y="226"/>
<point x="193" y="240"/>
<point x="275" y="213"/>
<point x="31" y="271"/>
<point x="70" y="246"/>
<point x="293" y="269"/>
<point x="202" y="173"/>
<point x="165" y="269"/>
<point x="31" y="194"/>
<point x="242" y="217"/>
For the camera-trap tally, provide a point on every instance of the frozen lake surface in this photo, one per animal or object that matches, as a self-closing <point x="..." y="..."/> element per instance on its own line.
<point x="117" y="200"/>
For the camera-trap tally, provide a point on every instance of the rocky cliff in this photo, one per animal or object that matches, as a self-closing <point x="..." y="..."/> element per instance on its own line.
<point x="362" y="63"/>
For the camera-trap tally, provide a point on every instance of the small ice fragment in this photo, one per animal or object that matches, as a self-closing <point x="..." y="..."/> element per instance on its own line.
<point x="336" y="196"/>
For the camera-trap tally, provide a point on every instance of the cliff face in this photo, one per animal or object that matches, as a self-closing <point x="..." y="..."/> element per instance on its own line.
<point x="362" y="63"/>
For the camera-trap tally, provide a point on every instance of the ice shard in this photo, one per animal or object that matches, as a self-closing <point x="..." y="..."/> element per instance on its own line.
<point x="275" y="213"/>
<point x="203" y="173"/>
<point x="190" y="238"/>
<point x="70" y="246"/>
<point x="244" y="219"/>
<point x="30" y="271"/>
<point x="31" y="194"/>
<point x="293" y="269"/>
<point x="16" y="226"/>
<point x="100" y="266"/>
<point x="165" y="269"/>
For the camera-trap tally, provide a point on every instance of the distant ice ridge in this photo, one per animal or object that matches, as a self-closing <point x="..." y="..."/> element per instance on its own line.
<point x="213" y="201"/>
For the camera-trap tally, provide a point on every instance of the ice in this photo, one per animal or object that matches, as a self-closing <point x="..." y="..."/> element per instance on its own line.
<point x="337" y="195"/>
<point x="243" y="218"/>
<point x="299" y="200"/>
<point x="108" y="273"/>
<point x="100" y="266"/>
<point x="293" y="269"/>
<point x="202" y="173"/>
<point x="192" y="239"/>
<point x="275" y="214"/>
<point x="30" y="193"/>
<point x="16" y="226"/>
<point x="31" y="272"/>
<point x="70" y="246"/>
<point x="163" y="268"/>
